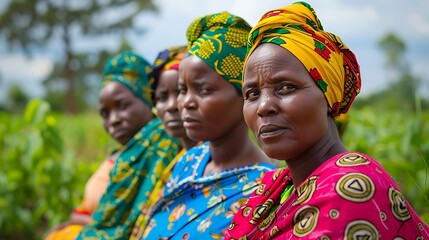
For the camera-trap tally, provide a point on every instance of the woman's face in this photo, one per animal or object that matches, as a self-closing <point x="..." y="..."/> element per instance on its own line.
<point x="166" y="103"/>
<point x="283" y="106"/>
<point x="123" y="113"/>
<point x="209" y="105"/>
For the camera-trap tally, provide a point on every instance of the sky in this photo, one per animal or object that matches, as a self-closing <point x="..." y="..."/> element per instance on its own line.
<point x="360" y="24"/>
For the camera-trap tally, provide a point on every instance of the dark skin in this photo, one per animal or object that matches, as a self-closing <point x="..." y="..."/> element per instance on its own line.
<point x="166" y="104"/>
<point x="212" y="111"/>
<point x="288" y="112"/>
<point x="123" y="116"/>
<point x="123" y="113"/>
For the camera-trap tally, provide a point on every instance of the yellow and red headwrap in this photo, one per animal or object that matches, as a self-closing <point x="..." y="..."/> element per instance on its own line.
<point x="330" y="63"/>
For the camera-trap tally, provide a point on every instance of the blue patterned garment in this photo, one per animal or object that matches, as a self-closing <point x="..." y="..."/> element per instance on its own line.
<point x="195" y="206"/>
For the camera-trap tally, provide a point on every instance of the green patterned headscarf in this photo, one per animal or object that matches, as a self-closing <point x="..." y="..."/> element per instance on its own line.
<point x="132" y="71"/>
<point x="220" y="41"/>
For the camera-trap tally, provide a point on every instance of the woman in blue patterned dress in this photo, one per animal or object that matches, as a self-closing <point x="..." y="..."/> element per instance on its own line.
<point x="211" y="181"/>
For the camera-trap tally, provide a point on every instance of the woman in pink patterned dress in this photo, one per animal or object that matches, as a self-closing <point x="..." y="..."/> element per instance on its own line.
<point x="297" y="80"/>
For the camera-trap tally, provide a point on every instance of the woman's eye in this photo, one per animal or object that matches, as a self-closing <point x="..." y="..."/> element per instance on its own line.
<point x="123" y="105"/>
<point x="161" y="97"/>
<point x="251" y="94"/>
<point x="104" y="114"/>
<point x="182" y="89"/>
<point x="205" y="90"/>
<point x="285" y="89"/>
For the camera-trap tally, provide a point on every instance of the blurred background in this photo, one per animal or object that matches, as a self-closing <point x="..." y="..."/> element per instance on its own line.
<point x="53" y="51"/>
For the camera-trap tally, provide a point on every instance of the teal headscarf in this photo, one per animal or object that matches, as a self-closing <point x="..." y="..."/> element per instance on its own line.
<point x="132" y="71"/>
<point x="220" y="41"/>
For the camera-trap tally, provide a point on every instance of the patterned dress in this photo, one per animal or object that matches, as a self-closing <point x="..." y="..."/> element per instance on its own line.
<point x="350" y="196"/>
<point x="195" y="206"/>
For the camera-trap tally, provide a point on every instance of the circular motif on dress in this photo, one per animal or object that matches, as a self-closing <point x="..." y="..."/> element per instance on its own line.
<point x="277" y="174"/>
<point x="246" y="211"/>
<point x="324" y="237"/>
<point x="420" y="226"/>
<point x="361" y="229"/>
<point x="274" y="231"/>
<point x="261" y="210"/>
<point x="306" y="190"/>
<point x="398" y="205"/>
<point x="334" y="214"/>
<point x="355" y="187"/>
<point x="383" y="216"/>
<point x="267" y="221"/>
<point x="231" y="226"/>
<point x="352" y="159"/>
<point x="305" y="220"/>
<point x="398" y="238"/>
<point x="260" y="189"/>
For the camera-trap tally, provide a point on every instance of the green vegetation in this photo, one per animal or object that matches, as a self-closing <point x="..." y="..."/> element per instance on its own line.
<point x="47" y="159"/>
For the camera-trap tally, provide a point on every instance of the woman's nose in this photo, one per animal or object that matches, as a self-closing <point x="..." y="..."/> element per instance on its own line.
<point x="267" y="105"/>
<point x="188" y="101"/>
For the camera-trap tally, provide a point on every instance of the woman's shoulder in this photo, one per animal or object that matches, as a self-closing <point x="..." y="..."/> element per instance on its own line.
<point x="193" y="157"/>
<point x="354" y="167"/>
<point x="350" y="162"/>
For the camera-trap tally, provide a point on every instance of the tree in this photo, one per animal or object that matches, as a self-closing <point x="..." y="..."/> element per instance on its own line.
<point x="38" y="25"/>
<point x="17" y="98"/>
<point x="402" y="92"/>
<point x="394" y="48"/>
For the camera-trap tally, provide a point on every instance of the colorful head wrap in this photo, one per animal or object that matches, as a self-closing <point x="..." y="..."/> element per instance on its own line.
<point x="132" y="71"/>
<point x="220" y="41"/>
<point x="166" y="60"/>
<point x="330" y="63"/>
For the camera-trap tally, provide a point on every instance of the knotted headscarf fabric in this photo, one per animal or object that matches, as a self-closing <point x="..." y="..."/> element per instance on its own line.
<point x="132" y="71"/>
<point x="329" y="61"/>
<point x="166" y="60"/>
<point x="220" y="41"/>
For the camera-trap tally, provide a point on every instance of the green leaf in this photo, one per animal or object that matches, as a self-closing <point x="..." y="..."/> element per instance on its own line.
<point x="36" y="111"/>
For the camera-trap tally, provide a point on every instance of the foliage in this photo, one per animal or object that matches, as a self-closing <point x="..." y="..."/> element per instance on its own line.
<point x="399" y="142"/>
<point x="17" y="98"/>
<point x="394" y="48"/>
<point x="47" y="159"/>
<point x="52" y="24"/>
<point x="40" y="178"/>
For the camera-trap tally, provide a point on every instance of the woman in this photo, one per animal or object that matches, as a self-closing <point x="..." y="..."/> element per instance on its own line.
<point x="165" y="75"/>
<point x="125" y="106"/>
<point x="211" y="181"/>
<point x="297" y="79"/>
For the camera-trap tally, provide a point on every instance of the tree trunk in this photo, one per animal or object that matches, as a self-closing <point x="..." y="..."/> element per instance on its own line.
<point x="69" y="74"/>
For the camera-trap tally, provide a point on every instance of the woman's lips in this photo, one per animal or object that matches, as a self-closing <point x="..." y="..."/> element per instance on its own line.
<point x="174" y="123"/>
<point x="189" y="122"/>
<point x="269" y="131"/>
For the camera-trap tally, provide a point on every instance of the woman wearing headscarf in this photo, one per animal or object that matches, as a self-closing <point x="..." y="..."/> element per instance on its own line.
<point x="125" y="106"/>
<point x="297" y="80"/>
<point x="210" y="182"/>
<point x="165" y="75"/>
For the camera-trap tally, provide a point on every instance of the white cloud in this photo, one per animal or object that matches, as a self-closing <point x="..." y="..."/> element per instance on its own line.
<point x="21" y="67"/>
<point x="28" y="73"/>
<point x="418" y="23"/>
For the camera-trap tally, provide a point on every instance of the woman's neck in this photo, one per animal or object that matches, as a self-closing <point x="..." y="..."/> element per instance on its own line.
<point x="235" y="149"/>
<point x="303" y="165"/>
<point x="187" y="143"/>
